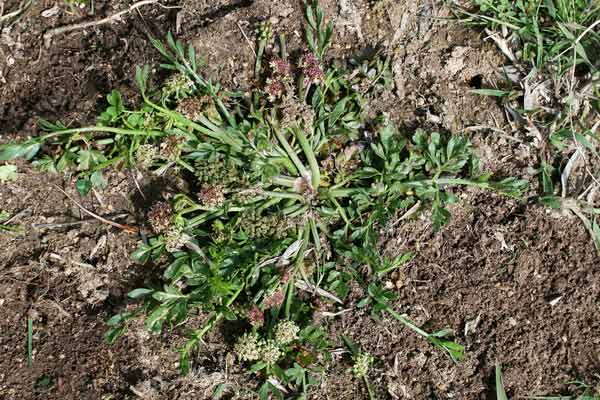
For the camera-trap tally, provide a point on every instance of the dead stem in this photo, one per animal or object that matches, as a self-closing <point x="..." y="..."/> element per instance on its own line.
<point x="126" y="228"/>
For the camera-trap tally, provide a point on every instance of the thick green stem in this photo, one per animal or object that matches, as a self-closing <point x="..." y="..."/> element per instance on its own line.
<point x="108" y="129"/>
<point x="337" y="193"/>
<point x="284" y="195"/>
<point x="286" y="181"/>
<point x="290" y="151"/>
<point x="310" y="156"/>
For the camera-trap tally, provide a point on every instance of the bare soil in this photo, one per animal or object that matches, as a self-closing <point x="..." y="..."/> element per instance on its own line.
<point x="519" y="285"/>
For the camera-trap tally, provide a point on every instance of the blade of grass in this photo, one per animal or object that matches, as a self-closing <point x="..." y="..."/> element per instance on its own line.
<point x="500" y="392"/>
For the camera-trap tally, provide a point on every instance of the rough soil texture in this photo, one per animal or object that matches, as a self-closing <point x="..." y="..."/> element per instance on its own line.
<point x="519" y="285"/>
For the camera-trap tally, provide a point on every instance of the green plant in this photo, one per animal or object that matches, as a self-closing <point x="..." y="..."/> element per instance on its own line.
<point x="362" y="364"/>
<point x="289" y="358"/>
<point x="547" y="29"/>
<point x="287" y="178"/>
<point x="553" y="46"/>
<point x="380" y="300"/>
<point x="500" y="392"/>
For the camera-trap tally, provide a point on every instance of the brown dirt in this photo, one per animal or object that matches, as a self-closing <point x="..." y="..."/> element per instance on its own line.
<point x="526" y="281"/>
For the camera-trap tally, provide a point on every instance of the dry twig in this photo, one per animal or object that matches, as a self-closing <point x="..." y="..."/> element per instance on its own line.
<point x="126" y="228"/>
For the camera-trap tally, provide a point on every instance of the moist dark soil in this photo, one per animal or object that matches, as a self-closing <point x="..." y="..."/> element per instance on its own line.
<point x="519" y="285"/>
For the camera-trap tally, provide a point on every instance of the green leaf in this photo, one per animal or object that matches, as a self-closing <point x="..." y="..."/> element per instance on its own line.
<point x="440" y="216"/>
<point x="140" y="292"/>
<point x="83" y="186"/>
<point x="26" y="150"/>
<point x="114" y="99"/>
<point x="338" y="110"/>
<point x="114" y="333"/>
<point x="296" y="374"/>
<point x="97" y="180"/>
<point x="493" y="92"/>
<point x="258" y="366"/>
<point x="142" y="254"/>
<point x="118" y="319"/>
<point x="350" y="345"/>
<point x="141" y="77"/>
<point x="219" y="391"/>
<point x="8" y="173"/>
<point x="164" y="296"/>
<point x="500" y="392"/>
<point x="551" y="201"/>
<point x="156" y="318"/>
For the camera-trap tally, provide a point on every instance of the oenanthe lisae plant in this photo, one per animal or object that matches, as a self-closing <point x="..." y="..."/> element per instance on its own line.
<point x="291" y="184"/>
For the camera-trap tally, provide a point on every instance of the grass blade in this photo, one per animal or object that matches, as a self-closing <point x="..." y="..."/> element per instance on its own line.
<point x="500" y="392"/>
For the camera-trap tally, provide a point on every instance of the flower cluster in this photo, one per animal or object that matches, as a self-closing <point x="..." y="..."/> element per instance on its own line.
<point x="145" y="155"/>
<point x="256" y="317"/>
<point x="211" y="195"/>
<point x="274" y="226"/>
<point x="362" y="363"/>
<point x="191" y="108"/>
<point x="160" y="216"/>
<point x="275" y="299"/>
<point x="250" y="347"/>
<point x="219" y="172"/>
<point x="175" y="238"/>
<point x="279" y="84"/>
<point x="170" y="148"/>
<point x="271" y="353"/>
<point x="286" y="332"/>
<point x="178" y="85"/>
<point x="313" y="73"/>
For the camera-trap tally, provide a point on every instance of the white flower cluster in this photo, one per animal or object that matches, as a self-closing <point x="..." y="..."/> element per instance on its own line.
<point x="286" y="332"/>
<point x="362" y="362"/>
<point x="250" y="347"/>
<point x="145" y="155"/>
<point x="175" y="239"/>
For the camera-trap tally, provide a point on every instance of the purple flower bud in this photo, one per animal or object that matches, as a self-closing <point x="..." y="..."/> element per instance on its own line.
<point x="281" y="67"/>
<point x="313" y="73"/>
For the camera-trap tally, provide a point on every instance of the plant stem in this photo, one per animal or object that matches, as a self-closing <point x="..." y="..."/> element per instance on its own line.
<point x="286" y="181"/>
<point x="310" y="156"/>
<point x="403" y="319"/>
<point x="369" y="388"/>
<point x="29" y="342"/>
<point x="109" y="129"/>
<point x="284" y="195"/>
<point x="290" y="151"/>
